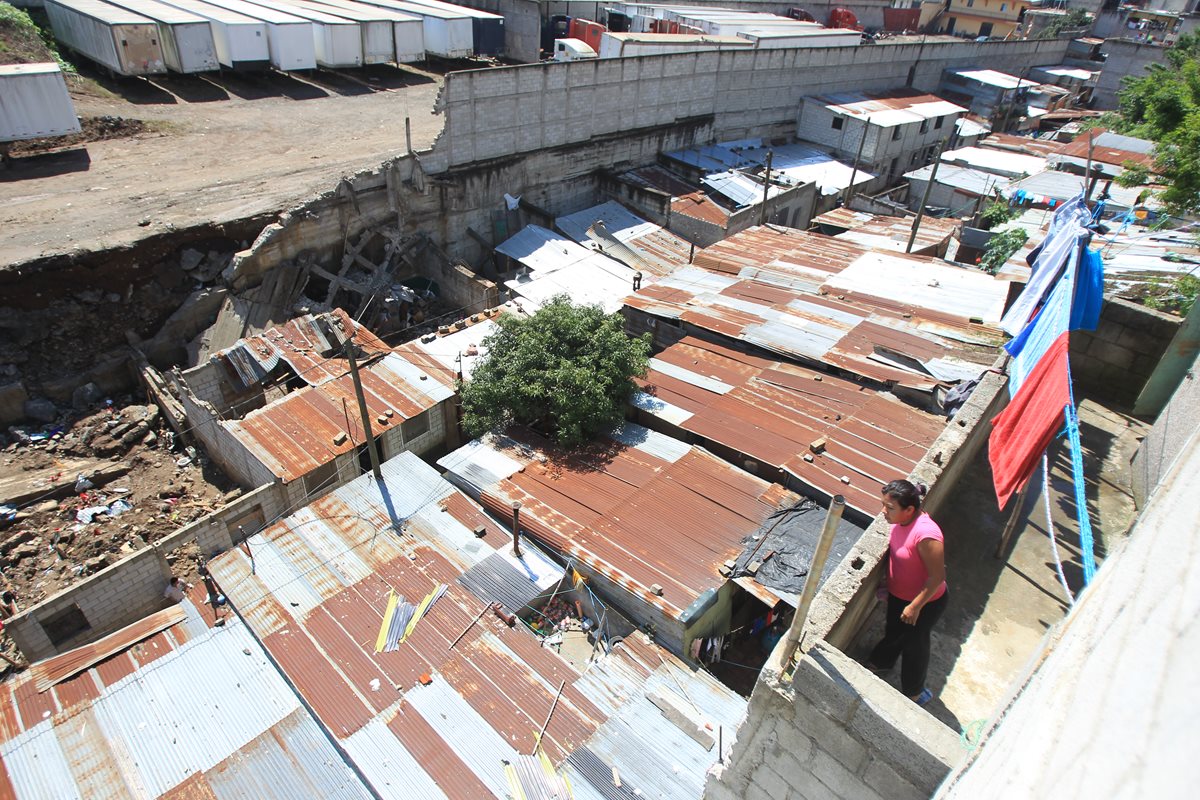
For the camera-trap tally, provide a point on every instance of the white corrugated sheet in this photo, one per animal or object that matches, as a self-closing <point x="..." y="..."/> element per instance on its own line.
<point x="622" y="224"/>
<point x="34" y="102"/>
<point x="558" y="266"/>
<point x="966" y="179"/>
<point x="998" y="162"/>
<point x="925" y="284"/>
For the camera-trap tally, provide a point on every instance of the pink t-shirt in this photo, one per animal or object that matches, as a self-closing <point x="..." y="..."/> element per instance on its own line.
<point x="906" y="570"/>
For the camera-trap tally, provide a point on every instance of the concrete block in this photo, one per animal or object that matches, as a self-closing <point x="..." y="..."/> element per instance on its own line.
<point x="888" y="783"/>
<point x="832" y="736"/>
<point x="842" y="782"/>
<point x="817" y="678"/>
<point x="770" y="782"/>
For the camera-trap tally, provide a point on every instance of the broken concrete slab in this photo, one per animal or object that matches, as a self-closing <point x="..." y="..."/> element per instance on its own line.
<point x="59" y="480"/>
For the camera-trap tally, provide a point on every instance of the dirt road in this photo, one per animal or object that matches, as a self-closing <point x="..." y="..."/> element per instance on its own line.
<point x="217" y="149"/>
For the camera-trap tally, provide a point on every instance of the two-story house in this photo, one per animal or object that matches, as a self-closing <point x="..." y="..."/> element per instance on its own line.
<point x="888" y="132"/>
<point x="991" y="18"/>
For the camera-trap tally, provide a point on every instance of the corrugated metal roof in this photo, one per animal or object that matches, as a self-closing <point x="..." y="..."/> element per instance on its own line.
<point x="992" y="78"/>
<point x="888" y="233"/>
<point x="556" y="265"/>
<point x="997" y="162"/>
<point x="1022" y="144"/>
<point x="772" y="412"/>
<point x="805" y="319"/>
<point x="647" y="247"/>
<point x="200" y="711"/>
<point x="307" y="344"/>
<point x="741" y="189"/>
<point x="295" y="435"/>
<point x="890" y="108"/>
<point x="1062" y="186"/>
<point x="796" y="163"/>
<point x="636" y="517"/>
<point x="442" y="355"/>
<point x="1111" y="148"/>
<point x="973" y="181"/>
<point x="483" y="700"/>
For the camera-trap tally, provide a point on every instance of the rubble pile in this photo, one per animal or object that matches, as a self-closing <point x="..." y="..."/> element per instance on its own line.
<point x="79" y="493"/>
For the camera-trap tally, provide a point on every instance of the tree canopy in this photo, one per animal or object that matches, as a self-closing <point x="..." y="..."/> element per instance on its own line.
<point x="1164" y="106"/>
<point x="567" y="370"/>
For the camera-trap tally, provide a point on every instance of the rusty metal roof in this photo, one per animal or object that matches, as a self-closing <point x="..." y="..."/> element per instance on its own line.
<point x="892" y="107"/>
<point x="310" y="345"/>
<point x="888" y="233"/>
<point x="464" y="694"/>
<point x="774" y="412"/>
<point x="801" y="307"/>
<point x="660" y="178"/>
<point x="1110" y="148"/>
<point x="1022" y="144"/>
<point x="193" y="711"/>
<point x="641" y="509"/>
<point x="298" y="433"/>
<point x="700" y="206"/>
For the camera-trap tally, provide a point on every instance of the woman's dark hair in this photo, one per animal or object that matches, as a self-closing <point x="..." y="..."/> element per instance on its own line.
<point x="906" y="493"/>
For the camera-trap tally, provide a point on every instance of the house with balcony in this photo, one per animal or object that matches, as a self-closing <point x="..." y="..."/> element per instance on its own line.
<point x="973" y="18"/>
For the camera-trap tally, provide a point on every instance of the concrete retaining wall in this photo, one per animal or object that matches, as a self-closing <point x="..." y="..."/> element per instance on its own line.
<point x="836" y="732"/>
<point x="1114" y="362"/>
<point x="132" y="588"/>
<point x="498" y="112"/>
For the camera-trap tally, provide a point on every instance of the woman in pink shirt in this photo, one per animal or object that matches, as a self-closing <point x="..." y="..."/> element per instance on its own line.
<point x="916" y="588"/>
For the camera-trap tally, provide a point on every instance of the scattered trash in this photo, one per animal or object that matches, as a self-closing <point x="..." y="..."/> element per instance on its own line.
<point x="82" y="484"/>
<point x="86" y="515"/>
<point x="119" y="507"/>
<point x="8" y="512"/>
<point x="374" y="684"/>
<point x="183" y="462"/>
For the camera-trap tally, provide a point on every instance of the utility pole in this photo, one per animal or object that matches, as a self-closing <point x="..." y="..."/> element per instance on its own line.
<point x="1087" y="173"/>
<point x="362" y="409"/>
<point x="762" y="218"/>
<point x="937" y="159"/>
<point x="857" y="157"/>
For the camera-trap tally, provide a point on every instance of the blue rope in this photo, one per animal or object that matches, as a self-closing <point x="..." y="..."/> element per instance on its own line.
<point x="1087" y="547"/>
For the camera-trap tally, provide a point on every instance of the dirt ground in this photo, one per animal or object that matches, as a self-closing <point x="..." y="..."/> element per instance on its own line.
<point x="212" y="148"/>
<point x="83" y="491"/>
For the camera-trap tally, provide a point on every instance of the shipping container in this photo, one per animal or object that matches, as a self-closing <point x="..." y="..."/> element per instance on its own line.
<point x="826" y="37"/>
<point x="447" y="35"/>
<point x="378" y="29"/>
<point x="186" y="38"/>
<point x="587" y="31"/>
<point x="408" y="30"/>
<point x="242" y="42"/>
<point x="338" y="41"/>
<point x="124" y="42"/>
<point x="487" y="29"/>
<point x="34" y="103"/>
<point x="624" y="45"/>
<point x="290" y="41"/>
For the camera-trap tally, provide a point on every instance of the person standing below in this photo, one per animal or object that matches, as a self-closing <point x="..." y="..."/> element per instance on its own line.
<point x="176" y="589"/>
<point x="916" y="588"/>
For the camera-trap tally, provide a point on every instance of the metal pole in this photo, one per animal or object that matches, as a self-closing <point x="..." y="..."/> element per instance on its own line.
<point x="937" y="159"/>
<point x="408" y="135"/>
<point x="1087" y="174"/>
<point x="516" y="528"/>
<point x="792" y="638"/>
<point x="762" y="218"/>
<point x="857" y="157"/>
<point x="362" y="410"/>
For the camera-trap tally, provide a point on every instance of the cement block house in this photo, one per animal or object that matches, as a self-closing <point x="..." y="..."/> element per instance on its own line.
<point x="995" y="96"/>
<point x="279" y="408"/>
<point x="902" y="126"/>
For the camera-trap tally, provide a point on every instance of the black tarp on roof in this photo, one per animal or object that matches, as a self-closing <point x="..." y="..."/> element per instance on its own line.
<point x="784" y="545"/>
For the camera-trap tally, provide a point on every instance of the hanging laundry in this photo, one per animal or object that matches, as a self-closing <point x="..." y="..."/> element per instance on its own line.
<point x="1061" y="242"/>
<point x="1089" y="292"/>
<point x="1023" y="431"/>
<point x="1032" y="343"/>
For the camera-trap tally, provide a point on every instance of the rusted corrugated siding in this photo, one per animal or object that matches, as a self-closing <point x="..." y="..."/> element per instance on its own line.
<point x="436" y="755"/>
<point x="337" y="705"/>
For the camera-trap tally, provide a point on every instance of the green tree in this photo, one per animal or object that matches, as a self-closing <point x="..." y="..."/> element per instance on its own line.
<point x="568" y="371"/>
<point x="1000" y="249"/>
<point x="1164" y="106"/>
<point x="1074" y="19"/>
<point x="997" y="213"/>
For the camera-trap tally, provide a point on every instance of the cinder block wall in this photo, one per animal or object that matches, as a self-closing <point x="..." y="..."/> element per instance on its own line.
<point x="836" y="732"/>
<point x="1114" y="362"/>
<point x="129" y="590"/>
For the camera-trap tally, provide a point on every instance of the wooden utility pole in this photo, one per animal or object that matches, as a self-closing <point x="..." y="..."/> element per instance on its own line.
<point x="937" y="159"/>
<point x="857" y="158"/>
<point x="762" y="218"/>
<point x="362" y="410"/>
